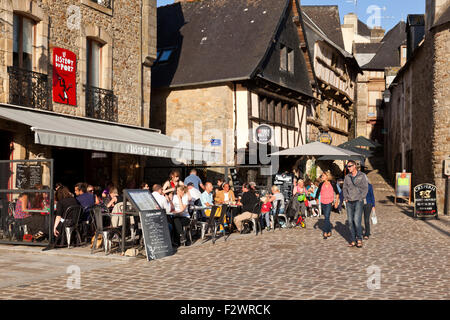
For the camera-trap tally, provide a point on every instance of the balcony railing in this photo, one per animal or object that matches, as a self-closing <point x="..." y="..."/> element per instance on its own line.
<point x="28" y="89"/>
<point x="101" y="104"/>
<point x="105" y="3"/>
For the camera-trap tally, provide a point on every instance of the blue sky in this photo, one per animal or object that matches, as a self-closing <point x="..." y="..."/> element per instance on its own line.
<point x="385" y="12"/>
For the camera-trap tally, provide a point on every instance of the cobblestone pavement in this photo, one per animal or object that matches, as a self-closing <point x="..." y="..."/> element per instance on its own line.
<point x="412" y="256"/>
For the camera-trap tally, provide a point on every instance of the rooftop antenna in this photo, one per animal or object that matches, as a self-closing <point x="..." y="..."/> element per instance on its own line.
<point x="355" y="3"/>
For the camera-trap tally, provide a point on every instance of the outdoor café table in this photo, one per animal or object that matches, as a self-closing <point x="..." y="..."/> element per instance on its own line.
<point x="35" y="211"/>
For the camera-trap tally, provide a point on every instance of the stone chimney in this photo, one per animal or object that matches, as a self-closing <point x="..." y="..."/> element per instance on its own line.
<point x="433" y="11"/>
<point x="376" y="34"/>
<point x="349" y="30"/>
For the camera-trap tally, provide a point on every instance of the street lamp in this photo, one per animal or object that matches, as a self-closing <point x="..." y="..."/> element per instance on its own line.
<point x="387" y="96"/>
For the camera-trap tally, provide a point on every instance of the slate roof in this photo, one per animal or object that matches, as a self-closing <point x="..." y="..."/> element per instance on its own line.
<point x="328" y="20"/>
<point x="363" y="29"/>
<point x="388" y="54"/>
<point x="366" y="47"/>
<point x="216" y="40"/>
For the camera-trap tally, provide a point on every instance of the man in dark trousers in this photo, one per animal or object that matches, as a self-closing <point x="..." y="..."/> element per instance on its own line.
<point x="249" y="201"/>
<point x="356" y="186"/>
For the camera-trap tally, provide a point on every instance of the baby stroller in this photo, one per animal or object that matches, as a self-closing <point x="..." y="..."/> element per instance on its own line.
<point x="293" y="213"/>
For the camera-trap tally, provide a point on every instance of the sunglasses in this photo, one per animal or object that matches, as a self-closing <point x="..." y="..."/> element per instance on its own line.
<point x="350" y="166"/>
<point x="91" y="191"/>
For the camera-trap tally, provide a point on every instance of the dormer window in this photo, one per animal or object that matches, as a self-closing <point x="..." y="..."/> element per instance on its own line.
<point x="286" y="59"/>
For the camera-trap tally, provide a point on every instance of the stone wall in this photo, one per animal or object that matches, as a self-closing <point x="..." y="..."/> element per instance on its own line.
<point x="418" y="114"/>
<point x="441" y="107"/>
<point x="198" y="111"/>
<point x="67" y="24"/>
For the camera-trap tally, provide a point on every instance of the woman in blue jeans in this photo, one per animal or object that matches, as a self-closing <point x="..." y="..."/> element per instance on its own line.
<point x="329" y="195"/>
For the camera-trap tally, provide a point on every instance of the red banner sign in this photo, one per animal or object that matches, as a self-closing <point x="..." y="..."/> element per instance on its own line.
<point x="64" y="76"/>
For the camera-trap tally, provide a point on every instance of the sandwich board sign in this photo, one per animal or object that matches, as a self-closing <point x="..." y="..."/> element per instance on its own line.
<point x="425" y="205"/>
<point x="403" y="186"/>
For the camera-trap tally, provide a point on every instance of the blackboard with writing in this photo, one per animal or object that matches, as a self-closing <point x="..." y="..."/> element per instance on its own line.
<point x="28" y="176"/>
<point x="155" y="230"/>
<point x="425" y="201"/>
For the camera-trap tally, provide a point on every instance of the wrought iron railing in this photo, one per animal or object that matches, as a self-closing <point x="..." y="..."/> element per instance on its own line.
<point x="105" y="3"/>
<point x="28" y="89"/>
<point x="101" y="104"/>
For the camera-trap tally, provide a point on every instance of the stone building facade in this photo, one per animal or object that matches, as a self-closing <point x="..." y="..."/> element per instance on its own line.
<point x="416" y="119"/>
<point x="114" y="43"/>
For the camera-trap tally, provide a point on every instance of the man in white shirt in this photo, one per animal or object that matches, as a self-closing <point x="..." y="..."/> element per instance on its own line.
<point x="194" y="192"/>
<point x="160" y="198"/>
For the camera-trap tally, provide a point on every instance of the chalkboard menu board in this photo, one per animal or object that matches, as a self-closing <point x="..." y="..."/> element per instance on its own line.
<point x="425" y="201"/>
<point x="155" y="229"/>
<point x="28" y="176"/>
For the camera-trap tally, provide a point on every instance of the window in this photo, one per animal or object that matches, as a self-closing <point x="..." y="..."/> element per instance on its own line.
<point x="271" y="113"/>
<point x="263" y="108"/>
<point x="283" y="58"/>
<point x="278" y="112"/>
<point x="286" y="59"/>
<point x="23" y="40"/>
<point x="291" y="60"/>
<point x="334" y="60"/>
<point x="94" y="51"/>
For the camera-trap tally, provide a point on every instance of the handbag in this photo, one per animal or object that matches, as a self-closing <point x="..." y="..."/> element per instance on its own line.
<point x="301" y="197"/>
<point x="374" y="217"/>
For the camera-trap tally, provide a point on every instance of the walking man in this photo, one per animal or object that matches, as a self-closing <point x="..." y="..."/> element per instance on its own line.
<point x="356" y="186"/>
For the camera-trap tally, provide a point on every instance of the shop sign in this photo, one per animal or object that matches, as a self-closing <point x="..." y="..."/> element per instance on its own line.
<point x="425" y="201"/>
<point x="325" y="138"/>
<point x="64" y="83"/>
<point x="264" y="134"/>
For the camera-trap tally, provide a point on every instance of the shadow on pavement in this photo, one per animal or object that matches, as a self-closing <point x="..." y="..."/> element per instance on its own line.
<point x="343" y="230"/>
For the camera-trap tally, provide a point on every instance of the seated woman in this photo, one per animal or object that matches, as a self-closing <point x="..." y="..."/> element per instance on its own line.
<point x="181" y="215"/>
<point x="39" y="223"/>
<point x="65" y="199"/>
<point x="22" y="205"/>
<point x="277" y="196"/>
<point x="225" y="196"/>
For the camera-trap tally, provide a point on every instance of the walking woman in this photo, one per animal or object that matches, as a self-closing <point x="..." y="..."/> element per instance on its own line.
<point x="329" y="194"/>
<point x="300" y="193"/>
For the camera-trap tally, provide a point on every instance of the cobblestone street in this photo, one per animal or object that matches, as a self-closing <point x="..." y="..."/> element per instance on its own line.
<point x="412" y="255"/>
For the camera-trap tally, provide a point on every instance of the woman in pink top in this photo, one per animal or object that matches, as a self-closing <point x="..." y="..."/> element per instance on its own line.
<point x="329" y="194"/>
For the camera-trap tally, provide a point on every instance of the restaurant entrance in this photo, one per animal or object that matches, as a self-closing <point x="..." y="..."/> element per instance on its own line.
<point x="75" y="165"/>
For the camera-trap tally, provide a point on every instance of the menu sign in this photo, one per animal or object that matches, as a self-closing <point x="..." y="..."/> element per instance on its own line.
<point x="64" y="76"/>
<point x="155" y="229"/>
<point x="425" y="201"/>
<point x="28" y="176"/>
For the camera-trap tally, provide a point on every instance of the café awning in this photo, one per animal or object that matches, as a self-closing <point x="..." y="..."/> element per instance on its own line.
<point x="58" y="130"/>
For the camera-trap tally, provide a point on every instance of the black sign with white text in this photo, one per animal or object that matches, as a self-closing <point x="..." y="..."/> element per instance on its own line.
<point x="425" y="201"/>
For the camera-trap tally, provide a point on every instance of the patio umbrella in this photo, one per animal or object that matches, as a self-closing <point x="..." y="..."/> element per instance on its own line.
<point x="365" y="153"/>
<point x="361" y="142"/>
<point x="355" y="158"/>
<point x="316" y="149"/>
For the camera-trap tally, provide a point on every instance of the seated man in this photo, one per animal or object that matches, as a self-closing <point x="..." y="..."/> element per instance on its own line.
<point x="195" y="194"/>
<point x="249" y="202"/>
<point x="85" y="199"/>
<point x="207" y="200"/>
<point x="160" y="198"/>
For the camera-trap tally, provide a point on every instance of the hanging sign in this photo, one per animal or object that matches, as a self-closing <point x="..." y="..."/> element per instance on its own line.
<point x="64" y="83"/>
<point x="263" y="134"/>
<point x="325" y="138"/>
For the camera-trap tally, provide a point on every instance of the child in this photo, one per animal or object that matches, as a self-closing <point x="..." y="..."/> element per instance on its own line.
<point x="265" y="210"/>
